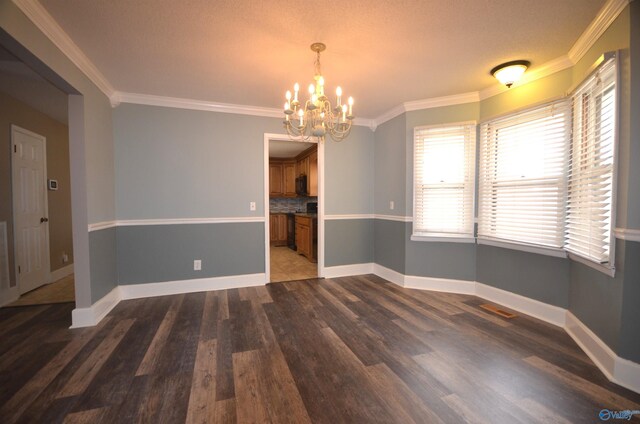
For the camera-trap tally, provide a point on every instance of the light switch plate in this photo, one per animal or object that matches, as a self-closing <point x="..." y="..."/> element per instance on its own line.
<point x="252" y="206"/>
<point x="197" y="265"/>
<point x="392" y="205"/>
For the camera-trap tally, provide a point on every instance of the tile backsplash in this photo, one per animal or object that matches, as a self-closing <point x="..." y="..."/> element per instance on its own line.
<point x="294" y="204"/>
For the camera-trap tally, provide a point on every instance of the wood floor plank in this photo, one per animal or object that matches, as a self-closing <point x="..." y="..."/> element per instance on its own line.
<point x="84" y="375"/>
<point x="86" y="417"/>
<point x="225" y="412"/>
<point x="585" y="387"/>
<point x="202" y="399"/>
<point x="350" y="349"/>
<point x="22" y="399"/>
<point x="160" y="338"/>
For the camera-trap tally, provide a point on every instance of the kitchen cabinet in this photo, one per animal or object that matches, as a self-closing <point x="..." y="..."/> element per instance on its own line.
<point x="276" y="186"/>
<point x="289" y="175"/>
<point x="307" y="164"/>
<point x="278" y="229"/>
<point x="312" y="181"/>
<point x="282" y="178"/>
<point x="306" y="237"/>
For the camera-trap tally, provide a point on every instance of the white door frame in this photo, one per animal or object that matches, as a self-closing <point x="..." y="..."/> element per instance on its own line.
<point x="47" y="258"/>
<point x="267" y="254"/>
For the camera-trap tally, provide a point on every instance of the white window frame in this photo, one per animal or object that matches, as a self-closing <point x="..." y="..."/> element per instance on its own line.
<point x="609" y="267"/>
<point x="441" y="236"/>
<point x="493" y="240"/>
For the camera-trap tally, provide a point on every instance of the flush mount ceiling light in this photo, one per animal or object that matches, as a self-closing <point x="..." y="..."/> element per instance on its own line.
<point x="315" y="117"/>
<point x="510" y="72"/>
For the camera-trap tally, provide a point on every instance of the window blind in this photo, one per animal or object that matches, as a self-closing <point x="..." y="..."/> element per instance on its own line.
<point x="444" y="178"/>
<point x="591" y="176"/>
<point x="523" y="167"/>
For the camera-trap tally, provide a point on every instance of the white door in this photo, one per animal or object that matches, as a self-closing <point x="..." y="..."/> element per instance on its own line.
<point x="31" y="232"/>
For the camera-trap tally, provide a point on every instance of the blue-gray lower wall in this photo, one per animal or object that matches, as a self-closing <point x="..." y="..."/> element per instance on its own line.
<point x="608" y="306"/>
<point x="455" y="261"/>
<point x="102" y="257"/>
<point x="629" y="346"/>
<point x="348" y="241"/>
<point x="155" y="253"/>
<point x="539" y="277"/>
<point x="389" y="244"/>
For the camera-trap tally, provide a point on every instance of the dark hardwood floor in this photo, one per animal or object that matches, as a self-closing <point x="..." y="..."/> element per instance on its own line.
<point x="352" y="350"/>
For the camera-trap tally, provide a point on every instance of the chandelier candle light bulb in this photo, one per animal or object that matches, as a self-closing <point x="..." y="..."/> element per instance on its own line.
<point x="316" y="115"/>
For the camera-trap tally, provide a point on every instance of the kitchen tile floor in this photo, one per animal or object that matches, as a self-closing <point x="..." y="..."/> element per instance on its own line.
<point x="288" y="265"/>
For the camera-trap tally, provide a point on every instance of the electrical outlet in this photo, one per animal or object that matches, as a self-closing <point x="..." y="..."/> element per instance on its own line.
<point x="252" y="206"/>
<point x="197" y="265"/>
<point x="65" y="258"/>
<point x="392" y="205"/>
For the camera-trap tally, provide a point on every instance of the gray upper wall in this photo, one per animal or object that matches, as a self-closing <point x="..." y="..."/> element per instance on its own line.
<point x="390" y="168"/>
<point x="178" y="163"/>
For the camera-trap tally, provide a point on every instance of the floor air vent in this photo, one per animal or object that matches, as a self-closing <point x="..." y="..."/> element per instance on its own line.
<point x="498" y="311"/>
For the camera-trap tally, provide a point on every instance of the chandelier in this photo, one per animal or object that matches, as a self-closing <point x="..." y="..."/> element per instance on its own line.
<point x="315" y="117"/>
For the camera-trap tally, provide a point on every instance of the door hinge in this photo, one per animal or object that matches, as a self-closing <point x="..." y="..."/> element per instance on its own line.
<point x="15" y="148"/>
<point x="19" y="270"/>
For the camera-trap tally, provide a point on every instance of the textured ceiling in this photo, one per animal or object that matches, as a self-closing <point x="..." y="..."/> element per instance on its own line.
<point x="381" y="52"/>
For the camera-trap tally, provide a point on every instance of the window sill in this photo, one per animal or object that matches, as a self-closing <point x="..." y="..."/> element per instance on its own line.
<point x="443" y="238"/>
<point x="610" y="271"/>
<point x="549" y="251"/>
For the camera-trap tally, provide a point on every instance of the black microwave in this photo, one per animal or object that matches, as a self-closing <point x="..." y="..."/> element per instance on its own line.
<point x="301" y="185"/>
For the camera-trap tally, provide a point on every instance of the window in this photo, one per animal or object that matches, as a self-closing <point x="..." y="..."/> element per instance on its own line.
<point x="444" y="176"/>
<point x="523" y="168"/>
<point x="591" y="176"/>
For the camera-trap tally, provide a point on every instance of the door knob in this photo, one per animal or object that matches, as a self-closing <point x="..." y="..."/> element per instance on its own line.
<point x="43" y="219"/>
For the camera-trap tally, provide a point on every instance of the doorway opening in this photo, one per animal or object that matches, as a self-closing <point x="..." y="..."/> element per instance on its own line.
<point x="36" y="241"/>
<point x="293" y="205"/>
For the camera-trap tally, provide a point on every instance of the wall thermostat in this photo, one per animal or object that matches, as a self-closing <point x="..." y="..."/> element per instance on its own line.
<point x="53" y="185"/>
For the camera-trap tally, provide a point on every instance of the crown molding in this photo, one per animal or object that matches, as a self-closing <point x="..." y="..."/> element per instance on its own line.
<point x="455" y="99"/>
<point x="50" y="28"/>
<point x="390" y="114"/>
<point x="191" y="104"/>
<point x="180" y="103"/>
<point x="598" y="26"/>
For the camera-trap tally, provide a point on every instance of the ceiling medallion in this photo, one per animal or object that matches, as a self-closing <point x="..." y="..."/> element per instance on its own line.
<point x="315" y="117"/>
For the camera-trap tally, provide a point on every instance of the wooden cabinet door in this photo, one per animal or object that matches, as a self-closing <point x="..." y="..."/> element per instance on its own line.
<point x="302" y="239"/>
<point x="273" y="227"/>
<point x="282" y="228"/>
<point x="312" y="180"/>
<point x="275" y="179"/>
<point x="289" y="174"/>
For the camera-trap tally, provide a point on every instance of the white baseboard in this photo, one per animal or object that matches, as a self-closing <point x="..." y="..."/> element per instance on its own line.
<point x="137" y="291"/>
<point x="388" y="274"/>
<point x="439" y="284"/>
<point x="60" y="273"/>
<point x="543" y="311"/>
<point x="347" y="270"/>
<point x="88" y="317"/>
<point x="619" y="370"/>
